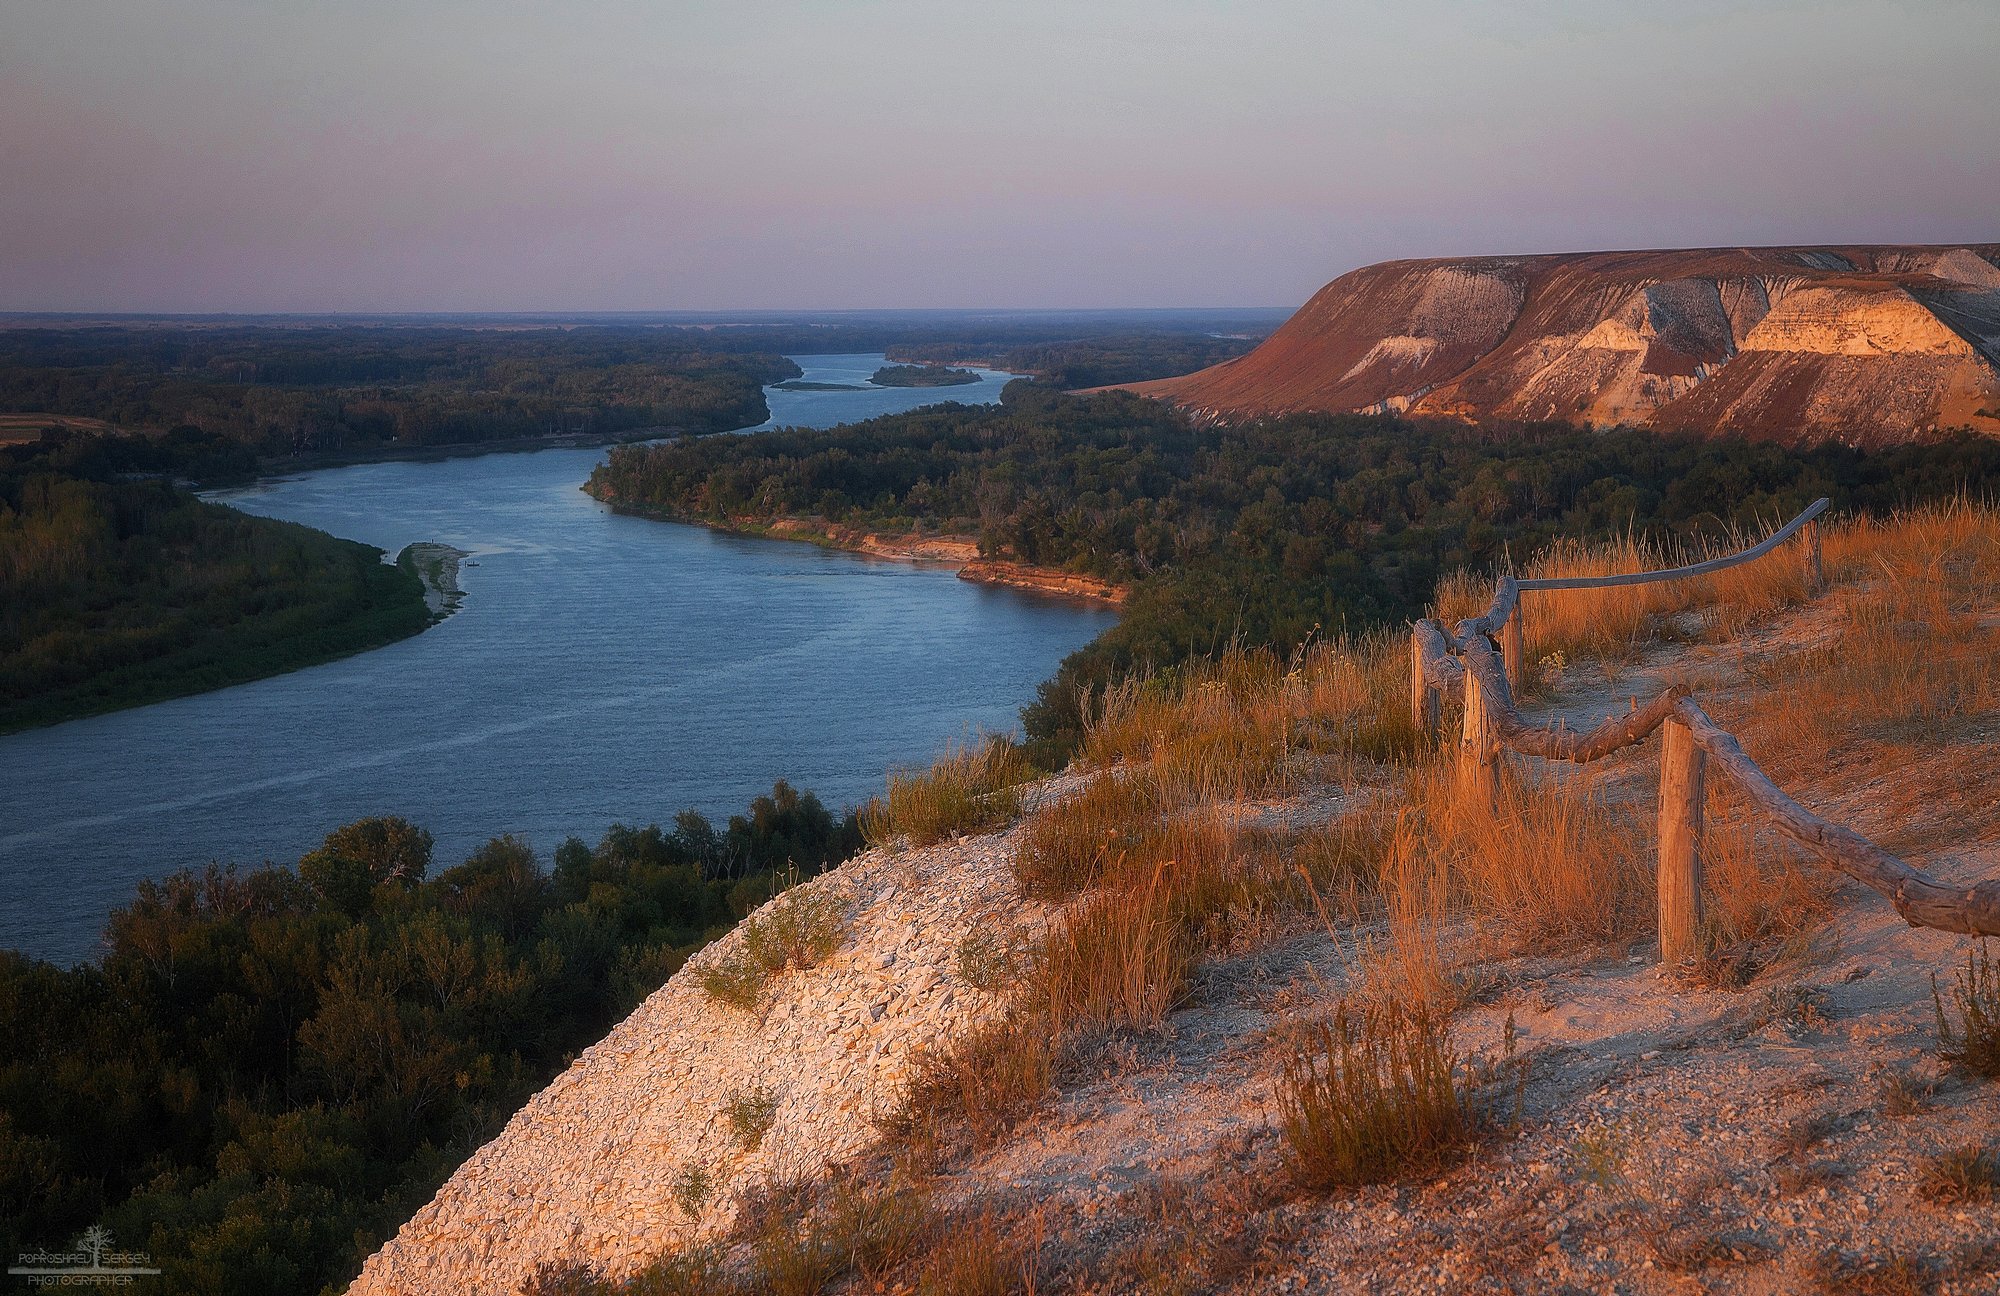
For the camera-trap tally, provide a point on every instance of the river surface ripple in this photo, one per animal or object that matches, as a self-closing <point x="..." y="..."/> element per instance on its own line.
<point x="602" y="669"/>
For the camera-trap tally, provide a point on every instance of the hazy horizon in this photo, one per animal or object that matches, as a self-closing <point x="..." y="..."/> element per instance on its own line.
<point x="215" y="156"/>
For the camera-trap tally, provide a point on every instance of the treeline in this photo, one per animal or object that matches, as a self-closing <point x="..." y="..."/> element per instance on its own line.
<point x="922" y="376"/>
<point x="1265" y="531"/>
<point x="116" y="591"/>
<point x="1096" y="361"/>
<point x="289" y="391"/>
<point x="269" y="1071"/>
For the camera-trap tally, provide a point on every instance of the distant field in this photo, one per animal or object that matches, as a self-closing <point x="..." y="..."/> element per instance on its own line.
<point x="28" y="427"/>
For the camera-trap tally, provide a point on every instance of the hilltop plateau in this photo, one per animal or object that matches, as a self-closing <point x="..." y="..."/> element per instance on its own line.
<point x="1256" y="997"/>
<point x="1863" y="345"/>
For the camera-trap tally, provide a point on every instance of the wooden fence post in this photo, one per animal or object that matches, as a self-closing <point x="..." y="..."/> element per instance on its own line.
<point x="1478" y="753"/>
<point x="1511" y="649"/>
<point x="1809" y="541"/>
<point x="1423" y="698"/>
<point x="1683" y="789"/>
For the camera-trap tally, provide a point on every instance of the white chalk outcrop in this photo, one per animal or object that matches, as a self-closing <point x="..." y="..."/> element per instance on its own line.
<point x="588" y="1170"/>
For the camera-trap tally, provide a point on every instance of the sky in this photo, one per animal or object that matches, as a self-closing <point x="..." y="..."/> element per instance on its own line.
<point x="592" y="155"/>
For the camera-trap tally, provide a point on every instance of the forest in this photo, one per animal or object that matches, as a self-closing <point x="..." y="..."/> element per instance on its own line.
<point x="352" y="390"/>
<point x="1267" y="531"/>
<point x="922" y="376"/>
<point x="118" y="587"/>
<point x="269" y="1070"/>
<point x="1094" y="361"/>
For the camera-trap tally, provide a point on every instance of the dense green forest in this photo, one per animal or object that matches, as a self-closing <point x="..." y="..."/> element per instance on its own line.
<point x="922" y="376"/>
<point x="1266" y="530"/>
<point x="118" y="588"/>
<point x="1093" y="361"/>
<point x="269" y="1071"/>
<point x="290" y="391"/>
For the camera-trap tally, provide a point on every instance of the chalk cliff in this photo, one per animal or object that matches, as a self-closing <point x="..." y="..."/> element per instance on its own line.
<point x="1866" y="345"/>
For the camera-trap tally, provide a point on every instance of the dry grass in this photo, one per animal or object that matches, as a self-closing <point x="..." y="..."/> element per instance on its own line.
<point x="1763" y="902"/>
<point x="1073" y="844"/>
<point x="1610" y="625"/>
<point x="1969" y="1035"/>
<point x="1234" y="727"/>
<point x="1957" y="1176"/>
<point x="1373" y="1095"/>
<point x="975" y="1258"/>
<point x="1552" y="866"/>
<point x="1120" y="958"/>
<point x="969" y="789"/>
<point x="1909" y="655"/>
<point x="982" y="1086"/>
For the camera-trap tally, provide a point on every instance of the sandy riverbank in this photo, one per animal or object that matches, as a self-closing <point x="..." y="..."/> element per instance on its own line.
<point x="436" y="565"/>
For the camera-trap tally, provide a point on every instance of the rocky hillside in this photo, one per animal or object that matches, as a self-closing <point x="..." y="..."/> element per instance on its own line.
<point x="1867" y="345"/>
<point x="1090" y="1051"/>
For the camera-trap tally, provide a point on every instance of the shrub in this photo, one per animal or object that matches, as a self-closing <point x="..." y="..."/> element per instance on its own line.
<point x="1962" y="1174"/>
<point x="693" y="1186"/>
<point x="1070" y="845"/>
<point x="1373" y="1096"/>
<point x="968" y="790"/>
<point x="972" y="1259"/>
<point x="750" y="1113"/>
<point x="1119" y="958"/>
<point x="798" y="930"/>
<point x="1973" y="1042"/>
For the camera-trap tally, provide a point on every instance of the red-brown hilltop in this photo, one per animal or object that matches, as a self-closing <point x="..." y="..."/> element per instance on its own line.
<point x="1868" y="345"/>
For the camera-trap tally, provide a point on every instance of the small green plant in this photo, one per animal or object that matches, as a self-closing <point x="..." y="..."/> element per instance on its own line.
<point x="798" y="930"/>
<point x="990" y="960"/>
<point x="693" y="1187"/>
<point x="1967" y="1173"/>
<point x="750" y="1113"/>
<point x="1373" y="1096"/>
<point x="1973" y="1041"/>
<point x="1599" y="1155"/>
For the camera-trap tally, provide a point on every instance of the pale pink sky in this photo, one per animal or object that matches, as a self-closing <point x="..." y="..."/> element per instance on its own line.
<point x="258" y="155"/>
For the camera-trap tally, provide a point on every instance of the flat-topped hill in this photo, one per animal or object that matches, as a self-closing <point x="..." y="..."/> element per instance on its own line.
<point x="1867" y="345"/>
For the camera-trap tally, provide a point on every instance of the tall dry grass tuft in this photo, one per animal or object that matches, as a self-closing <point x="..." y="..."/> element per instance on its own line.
<point x="1373" y="1095"/>
<point x="1553" y="866"/>
<point x="1120" y="958"/>
<point x="969" y="789"/>
<point x="1762" y="901"/>
<point x="1075" y="843"/>
<point x="1235" y="726"/>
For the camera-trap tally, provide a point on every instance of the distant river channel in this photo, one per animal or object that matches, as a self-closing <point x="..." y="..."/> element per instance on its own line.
<point x="601" y="669"/>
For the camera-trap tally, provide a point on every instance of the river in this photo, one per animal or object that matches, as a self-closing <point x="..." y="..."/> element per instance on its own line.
<point x="602" y="669"/>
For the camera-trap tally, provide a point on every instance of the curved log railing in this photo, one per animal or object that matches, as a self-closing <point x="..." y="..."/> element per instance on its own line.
<point x="1465" y="657"/>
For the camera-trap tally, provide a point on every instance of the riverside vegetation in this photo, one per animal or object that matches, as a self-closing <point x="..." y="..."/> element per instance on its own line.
<point x="116" y="592"/>
<point x="269" y="1070"/>
<point x="1265" y="532"/>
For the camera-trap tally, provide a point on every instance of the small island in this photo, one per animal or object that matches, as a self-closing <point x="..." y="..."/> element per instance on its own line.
<point x="917" y="375"/>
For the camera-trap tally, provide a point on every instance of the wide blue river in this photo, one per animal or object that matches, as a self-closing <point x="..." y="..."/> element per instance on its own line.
<point x="602" y="669"/>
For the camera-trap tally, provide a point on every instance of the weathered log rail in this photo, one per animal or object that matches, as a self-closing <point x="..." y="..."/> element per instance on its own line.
<point x="1481" y="658"/>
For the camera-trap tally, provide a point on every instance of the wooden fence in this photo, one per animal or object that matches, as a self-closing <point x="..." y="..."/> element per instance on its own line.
<point x="1482" y="657"/>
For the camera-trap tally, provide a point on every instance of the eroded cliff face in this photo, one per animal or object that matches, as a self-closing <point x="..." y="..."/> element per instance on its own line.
<point x="1867" y="345"/>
